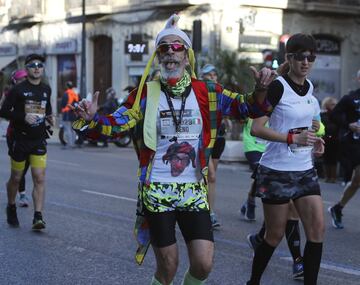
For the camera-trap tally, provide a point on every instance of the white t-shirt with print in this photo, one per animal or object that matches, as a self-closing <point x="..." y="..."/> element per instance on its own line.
<point x="177" y="161"/>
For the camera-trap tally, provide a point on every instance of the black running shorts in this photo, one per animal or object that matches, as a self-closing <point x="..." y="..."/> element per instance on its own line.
<point x="193" y="225"/>
<point x="20" y="150"/>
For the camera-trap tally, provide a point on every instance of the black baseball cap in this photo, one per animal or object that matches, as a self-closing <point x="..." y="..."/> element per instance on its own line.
<point x="34" y="56"/>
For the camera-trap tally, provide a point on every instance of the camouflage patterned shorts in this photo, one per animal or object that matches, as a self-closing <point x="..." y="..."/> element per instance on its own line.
<point x="162" y="197"/>
<point x="279" y="187"/>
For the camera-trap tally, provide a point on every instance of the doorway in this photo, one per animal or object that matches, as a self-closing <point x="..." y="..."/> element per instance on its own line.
<point x="102" y="65"/>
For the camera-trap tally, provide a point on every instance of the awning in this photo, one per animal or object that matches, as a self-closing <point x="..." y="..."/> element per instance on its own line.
<point x="6" y="60"/>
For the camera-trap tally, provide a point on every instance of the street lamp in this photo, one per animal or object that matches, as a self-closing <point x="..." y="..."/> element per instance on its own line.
<point x="83" y="54"/>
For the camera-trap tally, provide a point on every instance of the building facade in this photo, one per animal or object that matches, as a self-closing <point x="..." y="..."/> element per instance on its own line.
<point x="119" y="37"/>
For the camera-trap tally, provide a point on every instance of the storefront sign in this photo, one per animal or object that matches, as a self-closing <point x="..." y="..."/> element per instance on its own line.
<point x="32" y="48"/>
<point x="136" y="47"/>
<point x="326" y="44"/>
<point x="64" y="47"/>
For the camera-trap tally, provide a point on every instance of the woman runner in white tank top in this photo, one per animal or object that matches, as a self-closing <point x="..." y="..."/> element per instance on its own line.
<point x="286" y="172"/>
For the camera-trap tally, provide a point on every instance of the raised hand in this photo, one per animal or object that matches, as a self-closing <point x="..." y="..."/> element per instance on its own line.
<point x="263" y="77"/>
<point x="86" y="109"/>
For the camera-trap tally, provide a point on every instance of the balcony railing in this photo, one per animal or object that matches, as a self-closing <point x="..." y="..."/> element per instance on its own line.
<point x="340" y="7"/>
<point x="26" y="9"/>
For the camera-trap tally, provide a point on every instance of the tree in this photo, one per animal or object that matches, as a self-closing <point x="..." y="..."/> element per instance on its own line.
<point x="234" y="73"/>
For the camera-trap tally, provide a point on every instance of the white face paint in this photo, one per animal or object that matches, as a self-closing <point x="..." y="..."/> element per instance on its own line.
<point x="172" y="63"/>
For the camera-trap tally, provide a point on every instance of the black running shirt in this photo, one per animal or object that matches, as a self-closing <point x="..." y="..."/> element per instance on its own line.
<point x="26" y="98"/>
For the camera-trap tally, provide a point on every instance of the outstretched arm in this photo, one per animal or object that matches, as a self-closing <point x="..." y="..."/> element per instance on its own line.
<point x="112" y="125"/>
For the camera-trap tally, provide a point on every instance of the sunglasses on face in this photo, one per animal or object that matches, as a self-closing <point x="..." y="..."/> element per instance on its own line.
<point x="35" y="65"/>
<point x="163" y="48"/>
<point x="301" y="57"/>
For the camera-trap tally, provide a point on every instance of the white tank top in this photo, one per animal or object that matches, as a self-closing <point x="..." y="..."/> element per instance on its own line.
<point x="291" y="113"/>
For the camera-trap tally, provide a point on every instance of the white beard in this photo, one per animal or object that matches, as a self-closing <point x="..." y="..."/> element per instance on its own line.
<point x="167" y="74"/>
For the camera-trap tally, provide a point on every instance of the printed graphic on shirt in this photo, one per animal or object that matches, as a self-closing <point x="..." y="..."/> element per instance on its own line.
<point x="179" y="156"/>
<point x="36" y="108"/>
<point x="176" y="156"/>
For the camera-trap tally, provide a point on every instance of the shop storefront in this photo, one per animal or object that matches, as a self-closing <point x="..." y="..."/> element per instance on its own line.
<point x="326" y="70"/>
<point x="66" y="69"/>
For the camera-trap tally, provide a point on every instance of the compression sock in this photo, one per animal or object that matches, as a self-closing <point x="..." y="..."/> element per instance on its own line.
<point x="191" y="280"/>
<point x="293" y="238"/>
<point x="312" y="259"/>
<point x="261" y="233"/>
<point x="262" y="256"/>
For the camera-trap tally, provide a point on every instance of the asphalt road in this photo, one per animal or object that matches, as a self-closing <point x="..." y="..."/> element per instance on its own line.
<point x="90" y="212"/>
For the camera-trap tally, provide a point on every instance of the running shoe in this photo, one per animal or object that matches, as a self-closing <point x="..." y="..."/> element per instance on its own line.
<point x="298" y="269"/>
<point x="253" y="241"/>
<point x="11" y="215"/>
<point x="248" y="211"/>
<point x="336" y="216"/>
<point x="38" y="223"/>
<point x="243" y="209"/>
<point x="214" y="222"/>
<point x="23" y="200"/>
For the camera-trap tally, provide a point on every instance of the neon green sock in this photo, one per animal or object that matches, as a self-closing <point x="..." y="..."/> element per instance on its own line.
<point x="154" y="281"/>
<point x="191" y="280"/>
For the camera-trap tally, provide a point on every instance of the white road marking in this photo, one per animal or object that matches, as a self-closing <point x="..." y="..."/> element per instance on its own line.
<point x="63" y="162"/>
<point x="333" y="267"/>
<point x="109" y="195"/>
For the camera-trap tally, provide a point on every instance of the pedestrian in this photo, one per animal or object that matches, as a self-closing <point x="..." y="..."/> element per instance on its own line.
<point x="111" y="103"/>
<point x="253" y="149"/>
<point x="346" y="115"/>
<point x="69" y="98"/>
<point x="17" y="77"/>
<point x="181" y="114"/>
<point x="28" y="106"/>
<point x="286" y="171"/>
<point x="331" y="153"/>
<point x="209" y="72"/>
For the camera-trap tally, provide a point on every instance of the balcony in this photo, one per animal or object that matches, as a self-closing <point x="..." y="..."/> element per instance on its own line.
<point x="24" y="14"/>
<point x="93" y="8"/>
<point x="339" y="7"/>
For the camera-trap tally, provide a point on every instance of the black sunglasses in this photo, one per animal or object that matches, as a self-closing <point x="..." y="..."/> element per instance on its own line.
<point x="35" y="65"/>
<point x="301" y="57"/>
<point x="162" y="48"/>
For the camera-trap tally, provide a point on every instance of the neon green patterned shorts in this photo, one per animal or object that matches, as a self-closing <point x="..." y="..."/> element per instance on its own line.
<point x="162" y="197"/>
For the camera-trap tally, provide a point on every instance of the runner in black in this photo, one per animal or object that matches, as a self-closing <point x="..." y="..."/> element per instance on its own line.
<point x="28" y="107"/>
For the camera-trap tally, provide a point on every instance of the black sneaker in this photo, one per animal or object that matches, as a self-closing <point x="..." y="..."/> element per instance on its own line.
<point x="336" y="216"/>
<point x="38" y="223"/>
<point x="11" y="215"/>
<point x="253" y="241"/>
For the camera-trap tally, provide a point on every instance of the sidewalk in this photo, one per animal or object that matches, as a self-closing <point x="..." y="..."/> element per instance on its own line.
<point x="54" y="139"/>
